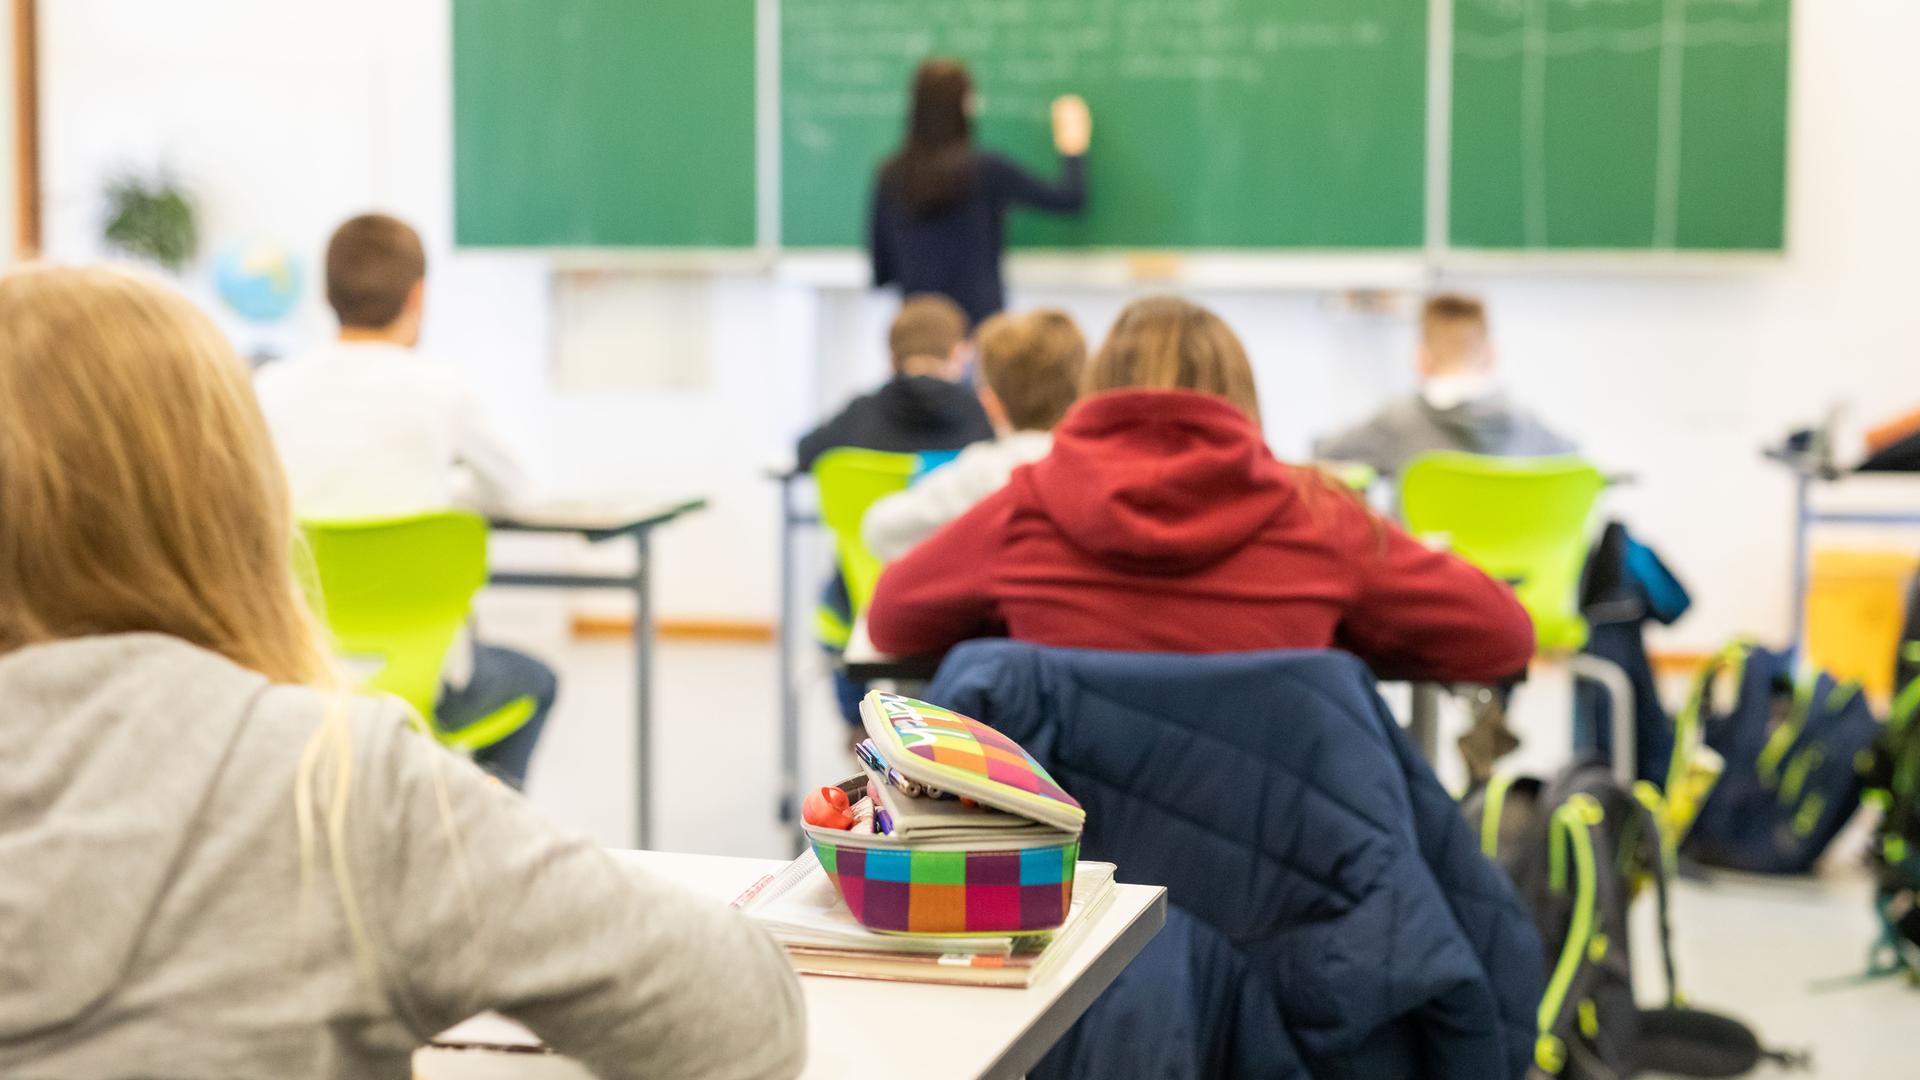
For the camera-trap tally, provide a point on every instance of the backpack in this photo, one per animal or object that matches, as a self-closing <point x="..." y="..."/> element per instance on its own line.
<point x="1793" y="750"/>
<point x="1893" y="784"/>
<point x="1579" y="850"/>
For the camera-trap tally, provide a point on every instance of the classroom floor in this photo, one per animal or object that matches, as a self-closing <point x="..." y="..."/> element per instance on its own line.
<point x="1747" y="947"/>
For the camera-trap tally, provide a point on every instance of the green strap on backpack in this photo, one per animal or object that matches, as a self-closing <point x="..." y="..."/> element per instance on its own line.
<point x="1579" y="851"/>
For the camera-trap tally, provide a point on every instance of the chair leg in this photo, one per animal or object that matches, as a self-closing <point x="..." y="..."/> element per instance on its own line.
<point x="1620" y="708"/>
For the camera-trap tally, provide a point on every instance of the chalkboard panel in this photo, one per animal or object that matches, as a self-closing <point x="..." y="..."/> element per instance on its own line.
<point x="1650" y="124"/>
<point x="604" y="123"/>
<point x="1218" y="123"/>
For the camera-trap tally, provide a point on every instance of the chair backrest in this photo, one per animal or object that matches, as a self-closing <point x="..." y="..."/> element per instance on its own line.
<point x="396" y="591"/>
<point x="1523" y="520"/>
<point x="851" y="480"/>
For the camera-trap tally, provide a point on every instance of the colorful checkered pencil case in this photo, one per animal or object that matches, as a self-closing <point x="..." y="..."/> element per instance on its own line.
<point x="983" y="840"/>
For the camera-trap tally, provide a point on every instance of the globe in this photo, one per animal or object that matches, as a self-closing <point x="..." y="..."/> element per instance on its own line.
<point x="259" y="281"/>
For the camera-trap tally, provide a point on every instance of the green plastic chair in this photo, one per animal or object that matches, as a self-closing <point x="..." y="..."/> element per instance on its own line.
<point x="1523" y="520"/>
<point x="850" y="481"/>
<point x="394" y="592"/>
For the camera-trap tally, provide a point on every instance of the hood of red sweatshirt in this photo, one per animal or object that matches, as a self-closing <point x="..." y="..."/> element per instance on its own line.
<point x="1159" y="481"/>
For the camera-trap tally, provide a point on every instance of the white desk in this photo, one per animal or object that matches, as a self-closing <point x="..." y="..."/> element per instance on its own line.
<point x="980" y="1031"/>
<point x="597" y="522"/>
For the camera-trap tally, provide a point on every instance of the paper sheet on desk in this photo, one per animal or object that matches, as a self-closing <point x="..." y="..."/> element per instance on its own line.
<point x="472" y="1050"/>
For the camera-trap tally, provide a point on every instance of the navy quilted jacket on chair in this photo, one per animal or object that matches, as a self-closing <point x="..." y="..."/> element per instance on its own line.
<point x="1331" y="917"/>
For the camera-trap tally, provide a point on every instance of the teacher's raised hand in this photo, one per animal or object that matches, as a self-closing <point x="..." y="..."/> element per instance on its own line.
<point x="1072" y="125"/>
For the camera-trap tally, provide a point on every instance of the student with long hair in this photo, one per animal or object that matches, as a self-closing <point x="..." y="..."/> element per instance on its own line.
<point x="1161" y="522"/>
<point x="938" y="220"/>
<point x="214" y="859"/>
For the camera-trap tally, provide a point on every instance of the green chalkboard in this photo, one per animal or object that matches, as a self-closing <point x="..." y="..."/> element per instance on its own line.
<point x="604" y="123"/>
<point x="1217" y="123"/>
<point x="1623" y="124"/>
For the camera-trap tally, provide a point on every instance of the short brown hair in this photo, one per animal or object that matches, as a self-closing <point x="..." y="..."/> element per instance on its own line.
<point x="928" y="325"/>
<point x="1453" y="325"/>
<point x="373" y="263"/>
<point x="1166" y="343"/>
<point x="1033" y="364"/>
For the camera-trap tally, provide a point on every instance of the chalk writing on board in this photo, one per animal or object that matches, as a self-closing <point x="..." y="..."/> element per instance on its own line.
<point x="850" y="54"/>
<point x="1537" y="32"/>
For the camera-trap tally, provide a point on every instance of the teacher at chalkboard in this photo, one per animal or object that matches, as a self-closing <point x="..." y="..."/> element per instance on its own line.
<point x="940" y="204"/>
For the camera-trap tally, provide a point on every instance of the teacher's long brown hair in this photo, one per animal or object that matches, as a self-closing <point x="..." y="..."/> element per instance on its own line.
<point x="934" y="169"/>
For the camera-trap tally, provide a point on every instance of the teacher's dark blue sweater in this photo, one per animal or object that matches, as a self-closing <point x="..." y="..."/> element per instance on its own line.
<point x="956" y="252"/>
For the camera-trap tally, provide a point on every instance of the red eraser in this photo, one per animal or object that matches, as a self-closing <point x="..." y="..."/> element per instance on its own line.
<point x="826" y="808"/>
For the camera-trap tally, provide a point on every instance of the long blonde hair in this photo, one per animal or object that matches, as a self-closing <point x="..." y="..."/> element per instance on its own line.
<point x="139" y="489"/>
<point x="1167" y="343"/>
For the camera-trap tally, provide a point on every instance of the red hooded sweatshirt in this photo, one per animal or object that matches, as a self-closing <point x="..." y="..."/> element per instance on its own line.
<point x="1161" y="522"/>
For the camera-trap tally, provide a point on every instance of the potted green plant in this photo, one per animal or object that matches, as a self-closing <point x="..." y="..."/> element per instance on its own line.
<point x="152" y="218"/>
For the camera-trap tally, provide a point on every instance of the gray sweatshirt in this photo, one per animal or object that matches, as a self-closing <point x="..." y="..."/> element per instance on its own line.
<point x="152" y="922"/>
<point x="1491" y="425"/>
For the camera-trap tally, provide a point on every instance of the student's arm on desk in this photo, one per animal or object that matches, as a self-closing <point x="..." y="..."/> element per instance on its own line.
<point x="1367" y="443"/>
<point x="940" y="593"/>
<point x="1893" y="431"/>
<point x="499" y="481"/>
<point x="611" y="966"/>
<point x="1425" y="614"/>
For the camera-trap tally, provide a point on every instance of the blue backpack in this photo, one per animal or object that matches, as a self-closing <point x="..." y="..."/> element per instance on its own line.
<point x="1794" y="749"/>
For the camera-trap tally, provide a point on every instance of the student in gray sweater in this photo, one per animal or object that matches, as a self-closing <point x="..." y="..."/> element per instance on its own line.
<point x="215" y="860"/>
<point x="1460" y="406"/>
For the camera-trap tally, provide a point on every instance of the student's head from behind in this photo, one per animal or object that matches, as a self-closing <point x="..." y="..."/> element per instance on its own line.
<point x="929" y="337"/>
<point x="376" y="279"/>
<point x="1031" y="366"/>
<point x="139" y="487"/>
<point x="1167" y="343"/>
<point x="1454" y="339"/>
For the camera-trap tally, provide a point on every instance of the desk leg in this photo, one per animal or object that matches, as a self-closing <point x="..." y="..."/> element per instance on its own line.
<point x="1423" y="720"/>
<point x="1802" y="493"/>
<point x="643" y="689"/>
<point x="789" y="694"/>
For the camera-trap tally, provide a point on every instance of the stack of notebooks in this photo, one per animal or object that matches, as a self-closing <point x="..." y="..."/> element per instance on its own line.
<point x="803" y="912"/>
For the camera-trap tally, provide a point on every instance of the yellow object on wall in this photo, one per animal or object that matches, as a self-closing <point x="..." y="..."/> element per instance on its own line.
<point x="1856" y="604"/>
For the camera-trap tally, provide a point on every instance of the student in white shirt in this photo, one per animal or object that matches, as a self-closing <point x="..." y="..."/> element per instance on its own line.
<point x="1030" y="367"/>
<point x="366" y="428"/>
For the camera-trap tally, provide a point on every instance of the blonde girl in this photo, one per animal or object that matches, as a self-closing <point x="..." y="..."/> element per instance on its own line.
<point x="213" y="862"/>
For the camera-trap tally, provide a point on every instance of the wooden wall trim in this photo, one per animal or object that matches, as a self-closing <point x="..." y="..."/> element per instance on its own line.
<point x="26" y="127"/>
<point x="712" y="630"/>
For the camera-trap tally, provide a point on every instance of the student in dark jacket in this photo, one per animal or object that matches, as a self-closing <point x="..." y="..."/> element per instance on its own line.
<point x="924" y="406"/>
<point x="1161" y="522"/>
<point x="940" y="205"/>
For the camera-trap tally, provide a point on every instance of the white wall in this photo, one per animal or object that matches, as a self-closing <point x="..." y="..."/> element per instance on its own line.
<point x="287" y="117"/>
